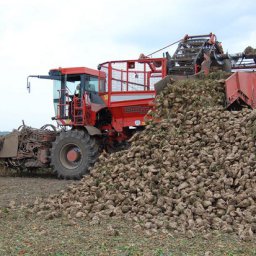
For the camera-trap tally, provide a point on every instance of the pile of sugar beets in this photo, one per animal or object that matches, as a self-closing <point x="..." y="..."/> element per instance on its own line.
<point x="191" y="171"/>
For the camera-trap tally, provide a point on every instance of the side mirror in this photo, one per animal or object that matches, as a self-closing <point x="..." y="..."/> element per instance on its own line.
<point x="28" y="87"/>
<point x="28" y="84"/>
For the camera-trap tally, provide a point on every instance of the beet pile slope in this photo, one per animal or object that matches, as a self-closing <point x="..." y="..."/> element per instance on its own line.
<point x="192" y="171"/>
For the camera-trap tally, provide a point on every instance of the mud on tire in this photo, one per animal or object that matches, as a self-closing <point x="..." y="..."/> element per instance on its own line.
<point x="72" y="154"/>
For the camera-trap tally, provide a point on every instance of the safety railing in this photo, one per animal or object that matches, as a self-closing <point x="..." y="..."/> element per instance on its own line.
<point x="132" y="76"/>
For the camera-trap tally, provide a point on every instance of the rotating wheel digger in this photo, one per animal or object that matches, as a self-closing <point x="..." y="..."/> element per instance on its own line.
<point x="101" y="109"/>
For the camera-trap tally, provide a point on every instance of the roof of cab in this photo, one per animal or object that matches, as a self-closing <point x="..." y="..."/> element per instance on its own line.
<point x="80" y="70"/>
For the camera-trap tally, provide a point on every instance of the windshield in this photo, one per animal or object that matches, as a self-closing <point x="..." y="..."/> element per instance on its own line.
<point x="68" y="86"/>
<point x="91" y="83"/>
<point x="74" y="84"/>
<point x="72" y="87"/>
<point x="56" y="94"/>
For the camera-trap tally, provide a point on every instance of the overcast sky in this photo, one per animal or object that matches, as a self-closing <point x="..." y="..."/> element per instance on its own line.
<point x="36" y="36"/>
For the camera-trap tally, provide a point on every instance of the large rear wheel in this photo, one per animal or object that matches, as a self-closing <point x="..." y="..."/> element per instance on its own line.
<point x="72" y="154"/>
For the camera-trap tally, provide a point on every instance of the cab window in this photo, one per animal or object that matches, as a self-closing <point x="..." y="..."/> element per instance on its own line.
<point x="91" y="83"/>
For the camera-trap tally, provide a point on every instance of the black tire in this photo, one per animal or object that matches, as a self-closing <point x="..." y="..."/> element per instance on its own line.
<point x="86" y="150"/>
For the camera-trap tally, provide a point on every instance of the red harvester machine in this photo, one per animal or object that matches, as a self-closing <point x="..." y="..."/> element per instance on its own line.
<point x="101" y="109"/>
<point x="97" y="109"/>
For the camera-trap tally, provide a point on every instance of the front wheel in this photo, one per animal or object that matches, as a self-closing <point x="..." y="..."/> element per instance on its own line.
<point x="72" y="154"/>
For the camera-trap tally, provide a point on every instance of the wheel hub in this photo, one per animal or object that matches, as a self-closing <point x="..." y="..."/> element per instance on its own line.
<point x="73" y="155"/>
<point x="70" y="156"/>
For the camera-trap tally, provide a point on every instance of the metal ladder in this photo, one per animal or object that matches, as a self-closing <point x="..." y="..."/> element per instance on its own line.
<point x="78" y="111"/>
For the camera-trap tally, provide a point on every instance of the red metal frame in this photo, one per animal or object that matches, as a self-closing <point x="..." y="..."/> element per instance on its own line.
<point x="150" y="62"/>
<point x="241" y="88"/>
<point x="133" y="104"/>
<point x="79" y="70"/>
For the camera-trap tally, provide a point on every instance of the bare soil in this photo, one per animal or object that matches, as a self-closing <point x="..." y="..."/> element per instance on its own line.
<point x="23" y="188"/>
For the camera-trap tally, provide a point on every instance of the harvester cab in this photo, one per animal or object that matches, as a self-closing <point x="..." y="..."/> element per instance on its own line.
<point x="74" y="91"/>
